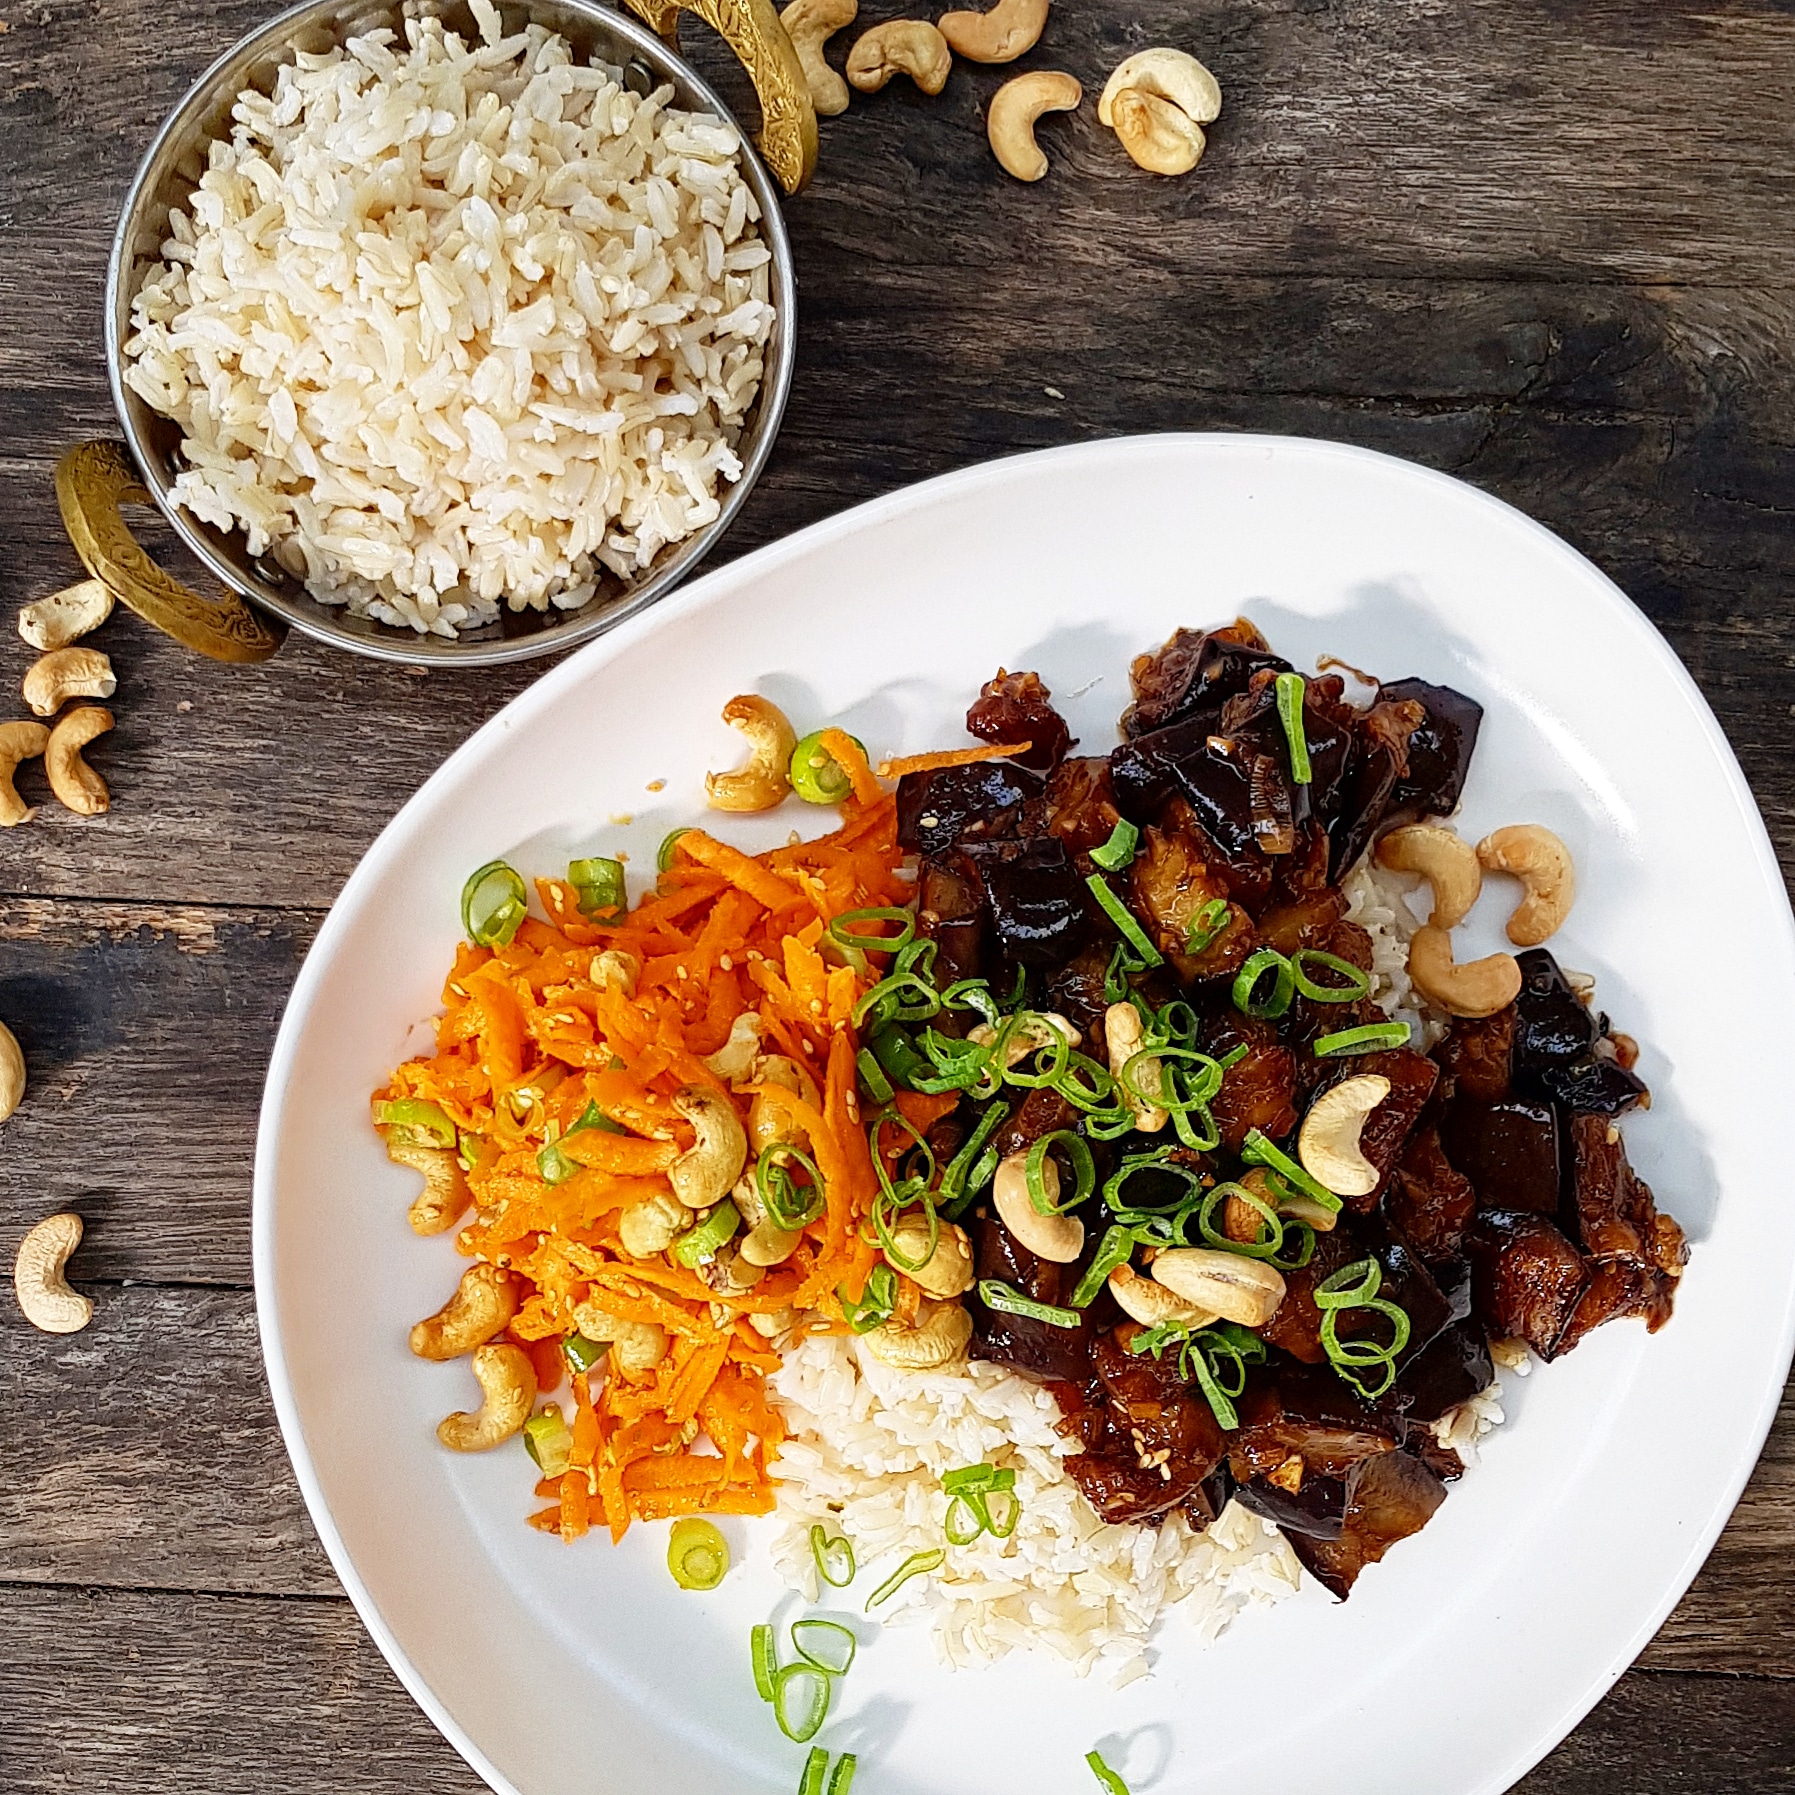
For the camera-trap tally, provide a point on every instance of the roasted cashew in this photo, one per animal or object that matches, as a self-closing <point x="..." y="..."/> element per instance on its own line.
<point x="910" y="47"/>
<point x="937" y="1340"/>
<point x="1010" y="122"/>
<point x="810" y="24"/>
<point x="1328" y="1144"/>
<point x="1000" y="35"/>
<point x="12" y="1072"/>
<point x="1226" y="1284"/>
<point x="947" y="1272"/>
<point x="1157" y="102"/>
<point x="483" y="1304"/>
<point x="765" y="1243"/>
<point x="67" y="673"/>
<point x="507" y="1380"/>
<point x="1123" y="1034"/>
<point x="1477" y="988"/>
<point x="615" y="969"/>
<point x="770" y="1324"/>
<point x="770" y="1123"/>
<point x="66" y="616"/>
<point x="766" y="778"/>
<point x="1444" y="859"/>
<point x="740" y="1051"/>
<point x="1036" y="1031"/>
<point x="45" y="1299"/>
<point x="703" y="1174"/>
<point x="445" y="1197"/>
<point x="1543" y="864"/>
<point x="730" y="1274"/>
<point x="76" y="785"/>
<point x="18" y="742"/>
<point x="1150" y="1302"/>
<point x="636" y="1346"/>
<point x="1056" y="1237"/>
<point x="650" y="1227"/>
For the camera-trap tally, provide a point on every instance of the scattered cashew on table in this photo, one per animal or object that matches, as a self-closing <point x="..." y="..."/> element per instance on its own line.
<point x="63" y="672"/>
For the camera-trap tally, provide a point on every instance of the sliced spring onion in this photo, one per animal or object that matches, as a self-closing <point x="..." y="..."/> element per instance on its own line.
<point x="598" y="884"/>
<point x="697" y="1554"/>
<point x="582" y="1354"/>
<point x="494" y="903"/>
<point x="816" y="1769"/>
<point x="874" y="1304"/>
<point x="918" y="1564"/>
<point x="843" y="936"/>
<point x="1115" y="978"/>
<point x="548" y="1440"/>
<point x="1358" y="981"/>
<point x="1084" y="1172"/>
<point x="791" y="1205"/>
<point x="834" y="1557"/>
<point x="801" y="1697"/>
<point x="1115" y="1249"/>
<point x="816" y="775"/>
<point x="1372" y="1038"/>
<point x="428" y="1123"/>
<point x="1146" y="954"/>
<point x="1206" y="925"/>
<point x="957" y="1185"/>
<point x="825" y="1643"/>
<point x="897" y="1056"/>
<point x="697" y="1245"/>
<point x="555" y="1165"/>
<point x="1368" y="1365"/>
<point x="841" y="1778"/>
<point x="765" y="1659"/>
<point x="1116" y="853"/>
<point x="872" y="1076"/>
<point x="1247" y="979"/>
<point x="1112" y="1784"/>
<point x="1290" y="713"/>
<point x="663" y="855"/>
<point x="1153" y="1159"/>
<point x="971" y="1489"/>
<point x="1006" y="1299"/>
<point x="1257" y="1150"/>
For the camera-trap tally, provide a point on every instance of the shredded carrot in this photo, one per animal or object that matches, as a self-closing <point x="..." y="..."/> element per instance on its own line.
<point x="950" y="757"/>
<point x="851" y="758"/>
<point x="765" y="887"/>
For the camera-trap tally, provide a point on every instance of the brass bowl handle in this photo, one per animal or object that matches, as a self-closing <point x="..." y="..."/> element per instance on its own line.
<point x="751" y="28"/>
<point x="92" y="481"/>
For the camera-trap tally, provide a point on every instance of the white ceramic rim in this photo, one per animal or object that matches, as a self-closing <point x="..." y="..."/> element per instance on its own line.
<point x="1551" y="1723"/>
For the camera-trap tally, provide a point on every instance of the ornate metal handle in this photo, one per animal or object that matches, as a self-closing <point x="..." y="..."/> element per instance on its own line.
<point x="752" y="30"/>
<point x="92" y="481"/>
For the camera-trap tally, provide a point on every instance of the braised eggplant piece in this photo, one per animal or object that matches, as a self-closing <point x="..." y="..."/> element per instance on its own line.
<point x="1260" y="1088"/>
<point x="1034" y="1346"/>
<point x="1439" y="749"/>
<point x="1315" y="1507"/>
<point x="950" y="910"/>
<point x="1597" y="1087"/>
<point x="1081" y="803"/>
<point x="1304" y="1411"/>
<point x="1527" y="1278"/>
<point x="1379" y="763"/>
<point x="1553" y="1026"/>
<point x="1203" y="1506"/>
<point x="1452" y="1368"/>
<point x="1609" y="1200"/>
<point x="1014" y="708"/>
<point x="1037" y="900"/>
<point x="1428" y="1198"/>
<point x="1172" y="885"/>
<point x="1041" y="1112"/>
<point x="982" y="802"/>
<point x="1619" y="1288"/>
<point x="1076" y="991"/>
<point x="1388" y="1498"/>
<point x="1194" y="671"/>
<point x="1509" y="1151"/>
<point x="1477" y="1054"/>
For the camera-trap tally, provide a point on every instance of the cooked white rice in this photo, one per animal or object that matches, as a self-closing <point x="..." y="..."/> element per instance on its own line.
<point x="446" y="326"/>
<point x="868" y="1445"/>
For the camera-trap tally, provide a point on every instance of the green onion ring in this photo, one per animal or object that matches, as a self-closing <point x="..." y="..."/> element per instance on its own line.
<point x="875" y="1303"/>
<point x="816" y="1767"/>
<point x="816" y="774"/>
<point x="1290" y="714"/>
<point x="918" y="1564"/>
<point x="841" y="1778"/>
<point x="582" y="1354"/>
<point x="831" y="1646"/>
<point x="963" y="1533"/>
<point x="765" y="1660"/>
<point x="663" y="855"/>
<point x="598" y="884"/>
<point x="697" y="1554"/>
<point x="1155" y="1158"/>
<point x="698" y="1245"/>
<point x="1006" y="1299"/>
<point x="1116" y="1248"/>
<point x="494" y="903"/>
<point x="1256" y="1149"/>
<point x="1264" y="960"/>
<point x="1112" y="1784"/>
<point x="1084" y="1172"/>
<point x="802" y="1724"/>
<point x="971" y="994"/>
<point x="956" y="1189"/>
<point x="842" y="936"/>
<point x="834" y="1557"/>
<point x="779" y="1191"/>
<point x="1126" y="926"/>
<point x="428" y="1123"/>
<point x="1371" y="1038"/>
<point x="1115" y="983"/>
<point x="872" y="1075"/>
<point x="1124" y="841"/>
<point x="1206" y="925"/>
<point x="1358" y="981"/>
<point x="1351" y="1359"/>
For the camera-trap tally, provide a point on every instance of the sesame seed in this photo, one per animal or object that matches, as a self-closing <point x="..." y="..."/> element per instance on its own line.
<point x="727" y="964"/>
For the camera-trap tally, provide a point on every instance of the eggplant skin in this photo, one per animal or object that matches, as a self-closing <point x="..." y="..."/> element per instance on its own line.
<point x="1439" y="751"/>
<point x="1388" y="1499"/>
<point x="1526" y="1278"/>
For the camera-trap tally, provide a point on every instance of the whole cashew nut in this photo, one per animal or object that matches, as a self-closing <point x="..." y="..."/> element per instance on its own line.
<point x="483" y="1304"/>
<point x="1543" y="864"/>
<point x="1444" y="859"/>
<point x="1477" y="988"/>
<point x="18" y="742"/>
<point x="703" y="1174"/>
<point x="1157" y="102"/>
<point x="507" y="1380"/>
<point x="45" y="1299"/>
<point x="12" y="1072"/>
<point x="947" y="1272"/>
<point x="1000" y="35"/>
<point x="1148" y="1301"/>
<point x="1227" y="1284"/>
<point x="615" y="970"/>
<point x="770" y="1123"/>
<point x="1123" y="1034"/>
<point x="67" y="673"/>
<point x="445" y="1197"/>
<point x="765" y="1243"/>
<point x="740" y="1051"/>
<point x="1010" y="123"/>
<point x="76" y="785"/>
<point x="937" y="1340"/>
<point x="651" y="1226"/>
<point x="1056" y="1237"/>
<point x="910" y="47"/>
<point x="810" y="24"/>
<point x="1031" y="1034"/>
<point x="766" y="778"/>
<point x="66" y="616"/>
<point x="636" y="1346"/>
<point x="1328" y="1144"/>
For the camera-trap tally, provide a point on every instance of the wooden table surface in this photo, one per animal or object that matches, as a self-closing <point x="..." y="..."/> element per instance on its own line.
<point x="1547" y="245"/>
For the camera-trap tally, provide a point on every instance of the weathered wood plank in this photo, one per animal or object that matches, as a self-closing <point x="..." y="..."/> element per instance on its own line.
<point x="199" y="1695"/>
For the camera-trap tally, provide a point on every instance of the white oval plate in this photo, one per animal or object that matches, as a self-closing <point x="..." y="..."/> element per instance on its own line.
<point x="1474" y="1647"/>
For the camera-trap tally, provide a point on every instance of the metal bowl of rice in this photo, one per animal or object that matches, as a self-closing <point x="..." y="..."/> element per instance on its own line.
<point x="452" y="347"/>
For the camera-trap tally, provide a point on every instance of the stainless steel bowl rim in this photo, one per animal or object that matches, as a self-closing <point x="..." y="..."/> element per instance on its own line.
<point x="407" y="647"/>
